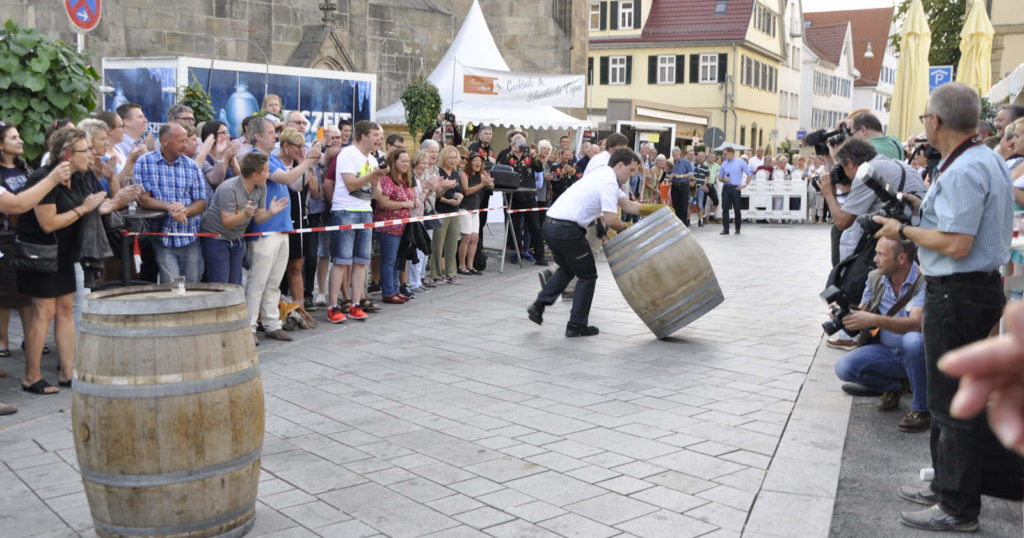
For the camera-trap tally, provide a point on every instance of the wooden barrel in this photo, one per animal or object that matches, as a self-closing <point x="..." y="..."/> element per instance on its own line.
<point x="663" y="272"/>
<point x="167" y="410"/>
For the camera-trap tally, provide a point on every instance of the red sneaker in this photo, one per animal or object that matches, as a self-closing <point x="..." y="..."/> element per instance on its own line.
<point x="335" y="315"/>
<point x="355" y="312"/>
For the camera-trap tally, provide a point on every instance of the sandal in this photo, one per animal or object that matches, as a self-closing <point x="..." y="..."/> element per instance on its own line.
<point x="64" y="383"/>
<point x="475" y="272"/>
<point x="39" y="387"/>
<point x="368" y="305"/>
<point x="464" y="272"/>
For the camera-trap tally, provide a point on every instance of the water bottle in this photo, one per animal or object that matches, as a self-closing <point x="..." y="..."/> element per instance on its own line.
<point x="133" y="206"/>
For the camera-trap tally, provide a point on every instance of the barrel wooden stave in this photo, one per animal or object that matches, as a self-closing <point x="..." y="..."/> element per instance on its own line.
<point x="168" y="429"/>
<point x="663" y="273"/>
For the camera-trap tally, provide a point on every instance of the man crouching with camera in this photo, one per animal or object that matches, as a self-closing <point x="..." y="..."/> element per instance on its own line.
<point x="859" y="165"/>
<point x="964" y="236"/>
<point x="892" y="303"/>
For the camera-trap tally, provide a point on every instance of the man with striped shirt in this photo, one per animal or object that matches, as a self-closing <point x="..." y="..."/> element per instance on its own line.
<point x="964" y="237"/>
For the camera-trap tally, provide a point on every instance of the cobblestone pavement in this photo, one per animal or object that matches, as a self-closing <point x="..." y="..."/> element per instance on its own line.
<point x="455" y="416"/>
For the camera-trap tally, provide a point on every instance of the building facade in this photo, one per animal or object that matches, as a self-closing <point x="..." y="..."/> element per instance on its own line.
<point x="717" y="58"/>
<point x="790" y="80"/>
<point x="828" y="76"/>
<point x="396" y="39"/>
<point x="872" y="55"/>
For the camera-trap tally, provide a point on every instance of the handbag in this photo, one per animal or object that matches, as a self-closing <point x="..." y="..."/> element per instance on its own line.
<point x="34" y="258"/>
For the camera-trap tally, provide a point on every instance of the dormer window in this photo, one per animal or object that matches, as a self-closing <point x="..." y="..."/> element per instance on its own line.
<point x="625" y="14"/>
<point x="720" y="6"/>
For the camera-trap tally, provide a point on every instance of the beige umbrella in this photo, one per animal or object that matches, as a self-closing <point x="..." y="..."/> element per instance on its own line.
<point x="975" y="68"/>
<point x="910" y="93"/>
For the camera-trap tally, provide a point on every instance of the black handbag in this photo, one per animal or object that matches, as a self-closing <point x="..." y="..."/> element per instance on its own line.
<point x="34" y="258"/>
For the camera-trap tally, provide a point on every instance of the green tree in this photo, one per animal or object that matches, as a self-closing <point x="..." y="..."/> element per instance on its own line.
<point x="42" y="79"/>
<point x="945" y="19"/>
<point x="422" y="103"/>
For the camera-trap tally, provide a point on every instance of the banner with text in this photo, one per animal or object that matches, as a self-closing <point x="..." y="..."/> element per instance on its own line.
<point x="523" y="88"/>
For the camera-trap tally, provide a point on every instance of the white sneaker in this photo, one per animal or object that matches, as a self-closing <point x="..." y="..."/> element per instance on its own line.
<point x="320" y="300"/>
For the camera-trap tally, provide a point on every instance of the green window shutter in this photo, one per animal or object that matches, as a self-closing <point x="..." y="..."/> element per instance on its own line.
<point x="604" y="70"/>
<point x="695" y="68"/>
<point x="680" y="68"/>
<point x="637" y="10"/>
<point x="652" y="69"/>
<point x="614" y="23"/>
<point x="590" y="71"/>
<point x="604" y="16"/>
<point x="629" y="70"/>
<point x="723" y="64"/>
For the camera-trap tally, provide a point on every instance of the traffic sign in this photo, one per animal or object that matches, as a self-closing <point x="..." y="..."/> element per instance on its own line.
<point x="714" y="137"/>
<point x="939" y="75"/>
<point x="84" y="14"/>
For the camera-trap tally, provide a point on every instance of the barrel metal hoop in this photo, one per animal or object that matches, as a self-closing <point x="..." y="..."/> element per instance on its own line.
<point x="644" y="244"/>
<point x="168" y="479"/>
<point x="111" y="303"/>
<point x="682" y="302"/>
<point x="164" y="390"/>
<point x="158" y="332"/>
<point x="624" y="237"/>
<point x="119" y="530"/>
<point x="664" y="329"/>
<point x="619" y="271"/>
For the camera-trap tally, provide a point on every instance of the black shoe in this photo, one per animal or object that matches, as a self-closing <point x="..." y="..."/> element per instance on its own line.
<point x="573" y="330"/>
<point x="536" y="313"/>
<point x="856" y="389"/>
<point x="890" y="399"/>
<point x="935" y="519"/>
<point x="915" y="422"/>
<point x="544" y="276"/>
<point x="541" y="262"/>
<point x="924" y="496"/>
<point x="724" y="232"/>
<point x="374" y="287"/>
<point x="404" y="289"/>
<point x="737" y="231"/>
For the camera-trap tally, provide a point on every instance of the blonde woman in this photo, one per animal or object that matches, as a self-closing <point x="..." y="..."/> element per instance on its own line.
<point x="444" y="245"/>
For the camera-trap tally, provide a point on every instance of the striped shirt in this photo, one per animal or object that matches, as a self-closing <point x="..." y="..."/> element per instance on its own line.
<point x="974" y="196"/>
<point x="181" y="181"/>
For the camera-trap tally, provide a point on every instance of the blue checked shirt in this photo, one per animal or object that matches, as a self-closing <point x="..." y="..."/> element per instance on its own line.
<point x="974" y="196"/>
<point x="181" y="181"/>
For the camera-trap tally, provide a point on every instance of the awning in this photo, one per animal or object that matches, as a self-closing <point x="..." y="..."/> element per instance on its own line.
<point x="1009" y="88"/>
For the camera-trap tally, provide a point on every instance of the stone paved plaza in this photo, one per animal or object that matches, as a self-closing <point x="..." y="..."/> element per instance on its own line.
<point x="455" y="416"/>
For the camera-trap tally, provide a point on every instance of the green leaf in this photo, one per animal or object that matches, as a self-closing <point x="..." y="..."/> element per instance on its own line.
<point x="13" y="116"/>
<point x="29" y="80"/>
<point x="14" y="100"/>
<point x="39" y="64"/>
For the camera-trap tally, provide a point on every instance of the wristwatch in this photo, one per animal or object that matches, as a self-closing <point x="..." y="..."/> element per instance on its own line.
<point x="902" y="237"/>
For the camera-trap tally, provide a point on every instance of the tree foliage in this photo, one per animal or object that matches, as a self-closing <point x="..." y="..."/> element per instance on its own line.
<point x="945" y="19"/>
<point x="196" y="98"/>
<point x="42" y="79"/>
<point x="422" y="103"/>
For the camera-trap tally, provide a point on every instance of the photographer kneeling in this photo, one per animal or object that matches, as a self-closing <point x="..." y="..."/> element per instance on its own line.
<point x="851" y="157"/>
<point x="893" y="302"/>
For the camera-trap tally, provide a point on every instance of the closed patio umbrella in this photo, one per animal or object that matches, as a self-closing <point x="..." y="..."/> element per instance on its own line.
<point x="910" y="93"/>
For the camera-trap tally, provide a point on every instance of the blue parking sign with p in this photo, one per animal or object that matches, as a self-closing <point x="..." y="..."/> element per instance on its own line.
<point x="939" y="75"/>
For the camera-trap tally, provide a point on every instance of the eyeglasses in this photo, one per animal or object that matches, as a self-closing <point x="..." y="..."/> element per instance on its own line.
<point x="86" y="150"/>
<point x="923" y="117"/>
<point x="224" y="132"/>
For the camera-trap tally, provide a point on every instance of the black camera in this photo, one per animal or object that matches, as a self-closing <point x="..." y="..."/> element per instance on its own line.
<point x="448" y="116"/>
<point x="839" y="309"/>
<point x="838" y="175"/>
<point x="822" y="139"/>
<point x="931" y="155"/>
<point x="894" y="204"/>
<point x="92" y="268"/>
<point x="816" y="183"/>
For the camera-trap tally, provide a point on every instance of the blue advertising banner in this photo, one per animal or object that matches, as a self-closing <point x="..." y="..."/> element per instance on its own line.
<point x="323" y="97"/>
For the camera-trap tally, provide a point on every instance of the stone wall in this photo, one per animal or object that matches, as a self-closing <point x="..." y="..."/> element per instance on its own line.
<point x="372" y="36"/>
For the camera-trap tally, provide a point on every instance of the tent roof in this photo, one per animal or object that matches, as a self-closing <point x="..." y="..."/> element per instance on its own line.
<point x="474" y="46"/>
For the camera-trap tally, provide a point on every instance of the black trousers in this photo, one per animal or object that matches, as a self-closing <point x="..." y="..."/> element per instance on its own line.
<point x="575" y="258"/>
<point x="532" y="220"/>
<point x="958" y="310"/>
<point x="731" y="196"/>
<point x="310" y="248"/>
<point x="680" y="193"/>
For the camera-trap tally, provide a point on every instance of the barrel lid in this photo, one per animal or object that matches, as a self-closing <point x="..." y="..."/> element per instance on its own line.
<point x="162" y="299"/>
<point x="646" y="223"/>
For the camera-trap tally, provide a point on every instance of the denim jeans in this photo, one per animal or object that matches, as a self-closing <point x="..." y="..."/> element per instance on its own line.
<point x="351" y="246"/>
<point x="174" y="262"/>
<point x="882" y="367"/>
<point x="389" y="263"/>
<point x="223" y="259"/>
<point x="958" y="310"/>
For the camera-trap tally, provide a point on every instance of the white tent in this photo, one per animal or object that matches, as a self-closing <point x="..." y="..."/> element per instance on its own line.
<point x="474" y="46"/>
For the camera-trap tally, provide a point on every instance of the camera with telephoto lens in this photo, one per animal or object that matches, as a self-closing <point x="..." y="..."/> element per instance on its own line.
<point x="838" y="175"/>
<point x="92" y="269"/>
<point x="839" y="308"/>
<point x="931" y="155"/>
<point x="894" y="204"/>
<point x="822" y="139"/>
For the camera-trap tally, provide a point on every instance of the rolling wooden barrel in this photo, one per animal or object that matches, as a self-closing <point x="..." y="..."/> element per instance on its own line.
<point x="167" y="410"/>
<point x="663" y="272"/>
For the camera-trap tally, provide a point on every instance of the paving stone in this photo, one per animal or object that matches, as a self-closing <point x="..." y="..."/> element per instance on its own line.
<point x="681" y="482"/>
<point x="474" y="487"/>
<point x="523" y="450"/>
<point x="592" y="474"/>
<point x="575" y="526"/>
<point x="666" y="524"/>
<point x="315" y="514"/>
<point x="461" y="531"/>
<point x="556" y="462"/>
<point x="639" y="469"/>
<point x="555" y="488"/>
<point x="625" y="485"/>
<point x="349" y="529"/>
<point x="454" y="504"/>
<point x="519" y="529"/>
<point x="774" y="510"/>
<point x="442" y="473"/>
<point x="729" y="496"/>
<point x="421" y="490"/>
<point x="285" y="499"/>
<point x="696" y="464"/>
<point x="721" y="515"/>
<point x="572" y="448"/>
<point x="536" y="511"/>
<point x="403" y="518"/>
<point x="670" y="499"/>
<point x="484" y="517"/>
<point x="503" y="469"/>
<point x="611" y="509"/>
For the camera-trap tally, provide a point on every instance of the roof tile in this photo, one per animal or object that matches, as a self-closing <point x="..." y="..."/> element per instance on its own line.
<point x="692" y="21"/>
<point x="866" y="26"/>
<point x="827" y="40"/>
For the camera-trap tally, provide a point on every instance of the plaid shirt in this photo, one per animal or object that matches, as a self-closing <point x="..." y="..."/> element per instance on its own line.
<point x="181" y="181"/>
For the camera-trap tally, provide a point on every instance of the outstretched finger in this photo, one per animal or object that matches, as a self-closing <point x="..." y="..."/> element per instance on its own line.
<point x="971" y="396"/>
<point x="987" y="357"/>
<point x="1006" y="416"/>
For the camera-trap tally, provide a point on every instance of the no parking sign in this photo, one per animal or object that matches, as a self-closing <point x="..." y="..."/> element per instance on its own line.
<point x="84" y="14"/>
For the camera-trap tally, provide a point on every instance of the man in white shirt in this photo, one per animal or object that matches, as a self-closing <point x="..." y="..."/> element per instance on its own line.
<point x="757" y="161"/>
<point x="357" y="179"/>
<point x="614" y="142"/>
<point x="595" y="195"/>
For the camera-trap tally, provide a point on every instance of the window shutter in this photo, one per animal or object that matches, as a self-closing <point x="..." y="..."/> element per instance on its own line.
<point x="637" y="10"/>
<point x="652" y="69"/>
<point x="614" y="23"/>
<point x="604" y="70"/>
<point x="695" y="68"/>
<point x="590" y="71"/>
<point x="629" y="70"/>
<point x="723" y="64"/>
<point x="604" y="16"/>
<point x="680" y="64"/>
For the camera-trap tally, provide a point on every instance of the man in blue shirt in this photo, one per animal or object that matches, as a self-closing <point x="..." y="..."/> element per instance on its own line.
<point x="735" y="175"/>
<point x="899" y="354"/>
<point x="681" y="174"/>
<point x="964" y="237"/>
